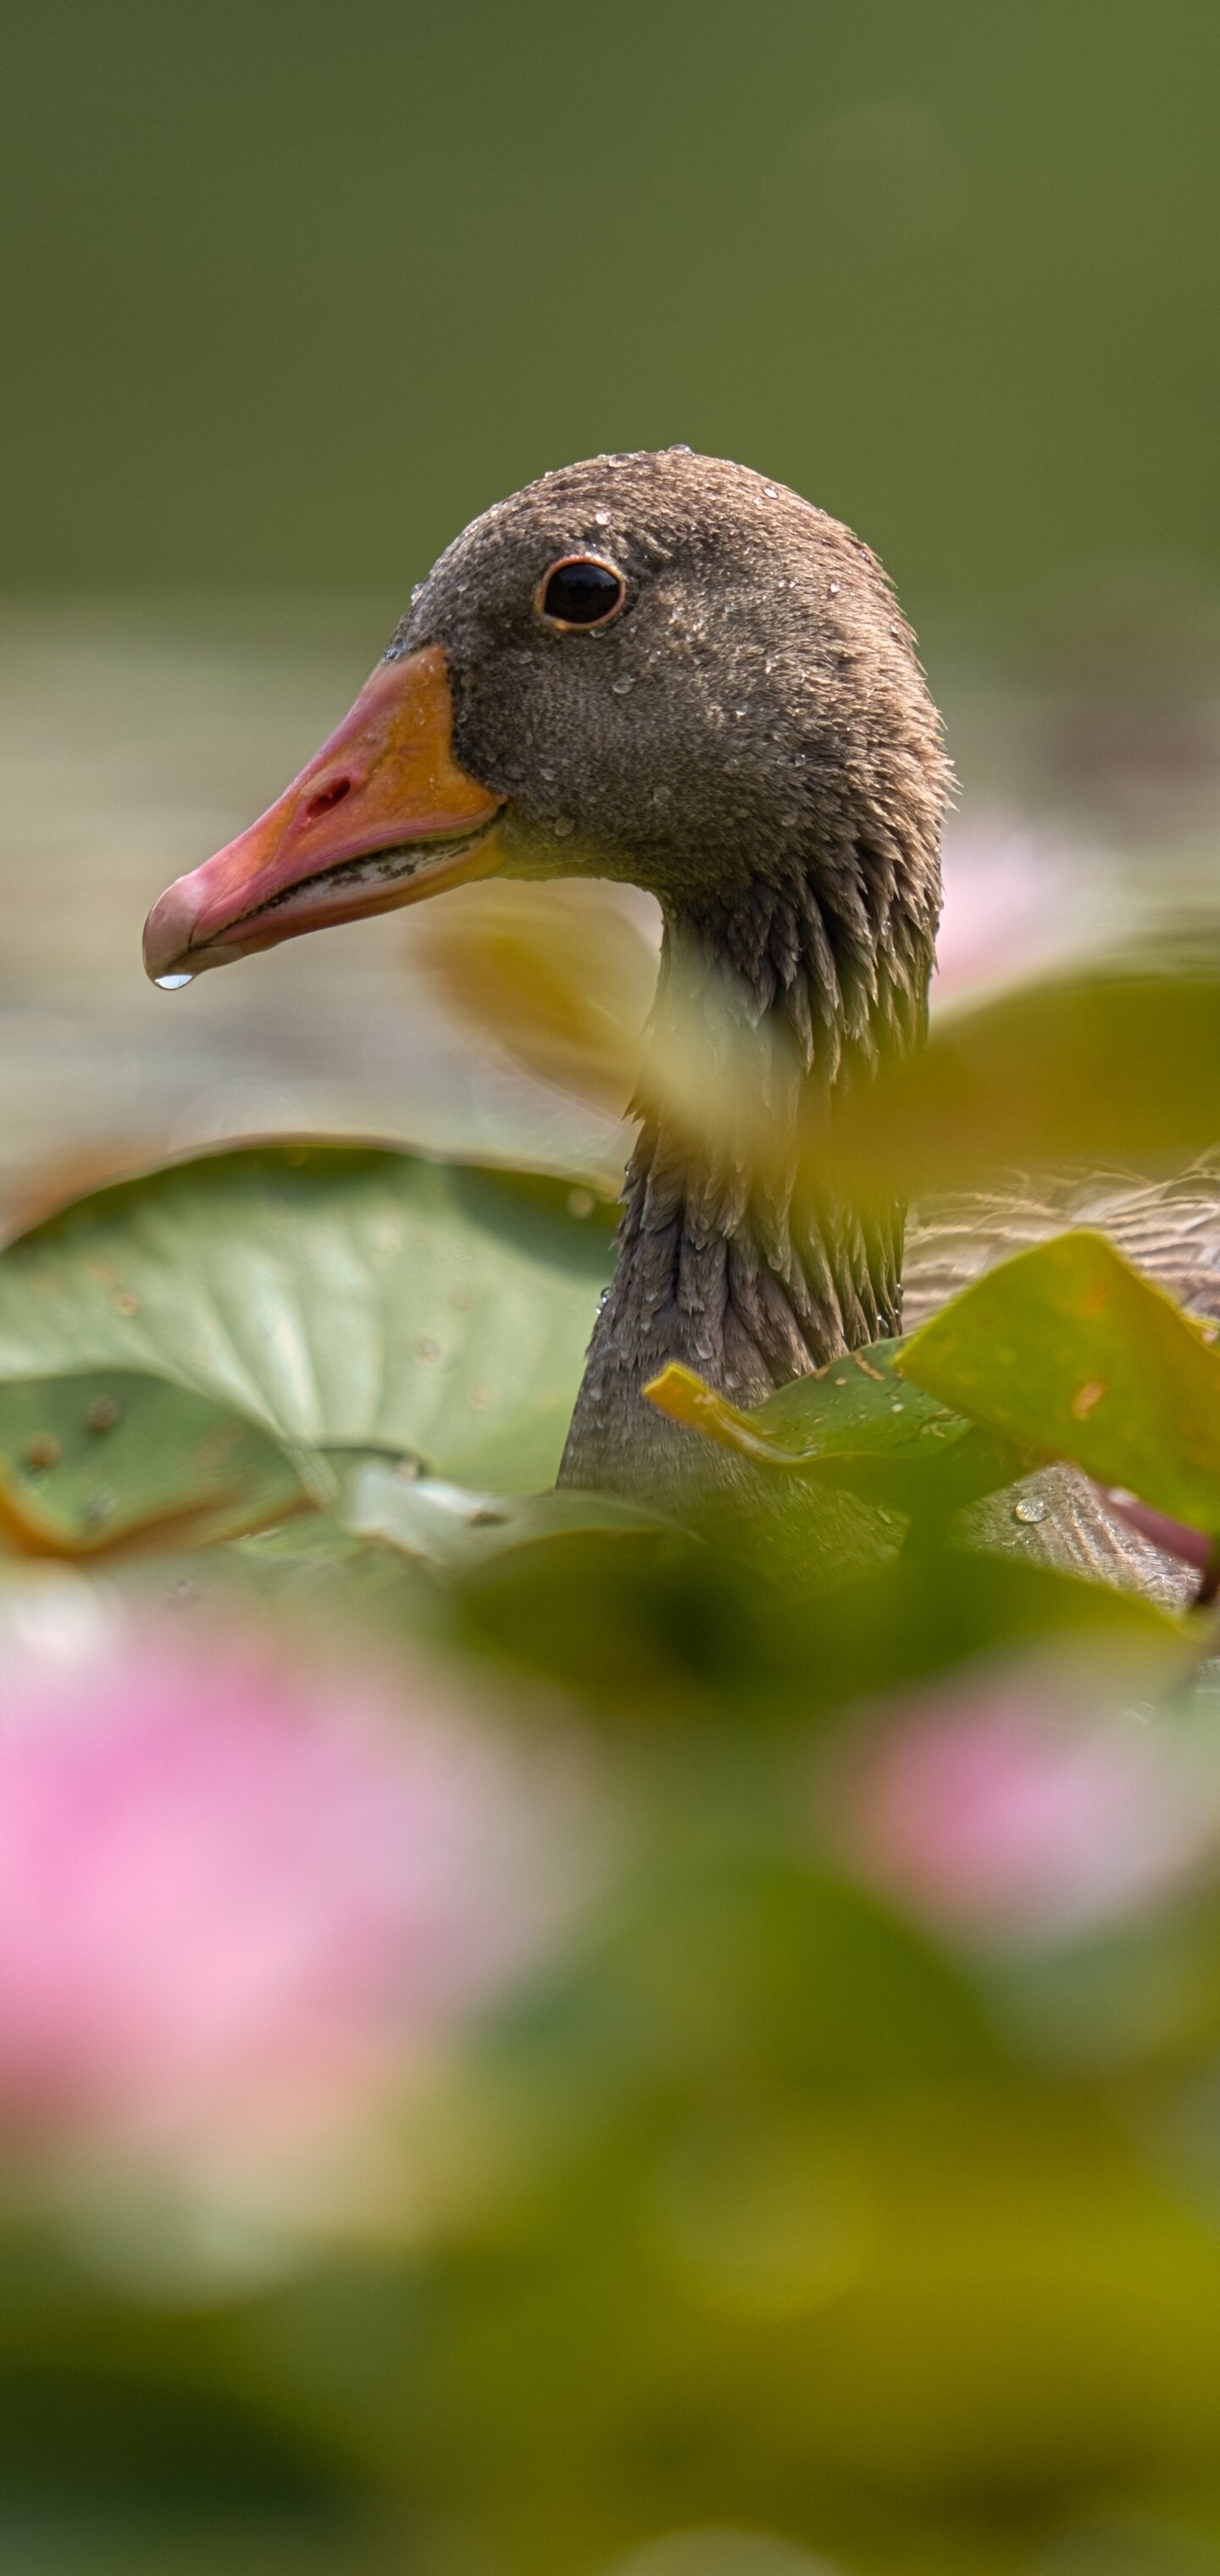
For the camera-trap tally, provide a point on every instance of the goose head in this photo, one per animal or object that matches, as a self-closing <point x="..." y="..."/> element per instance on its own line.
<point x="665" y="669"/>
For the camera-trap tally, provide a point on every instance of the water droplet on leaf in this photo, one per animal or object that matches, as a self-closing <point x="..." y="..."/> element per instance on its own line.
<point x="1086" y="1397"/>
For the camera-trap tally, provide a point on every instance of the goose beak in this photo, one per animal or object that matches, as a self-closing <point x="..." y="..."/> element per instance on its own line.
<point x="381" y="816"/>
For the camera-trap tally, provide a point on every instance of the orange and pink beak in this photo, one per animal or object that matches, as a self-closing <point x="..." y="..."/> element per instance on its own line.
<point x="381" y="816"/>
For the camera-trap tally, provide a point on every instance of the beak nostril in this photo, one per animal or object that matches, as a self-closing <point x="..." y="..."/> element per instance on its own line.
<point x="326" y="797"/>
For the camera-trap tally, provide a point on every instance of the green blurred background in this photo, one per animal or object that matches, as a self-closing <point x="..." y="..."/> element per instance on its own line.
<point x="292" y="290"/>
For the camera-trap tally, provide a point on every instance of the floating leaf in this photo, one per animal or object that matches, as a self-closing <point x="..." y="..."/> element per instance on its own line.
<point x="335" y="1292"/>
<point x="455" y="1530"/>
<point x="92" y="1462"/>
<point x="855" y="1422"/>
<point x="1069" y="1350"/>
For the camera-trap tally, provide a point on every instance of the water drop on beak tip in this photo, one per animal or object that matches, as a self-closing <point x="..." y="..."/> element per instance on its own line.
<point x="172" y="983"/>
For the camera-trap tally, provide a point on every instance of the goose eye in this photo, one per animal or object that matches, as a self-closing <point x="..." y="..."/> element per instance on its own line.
<point x="580" y="590"/>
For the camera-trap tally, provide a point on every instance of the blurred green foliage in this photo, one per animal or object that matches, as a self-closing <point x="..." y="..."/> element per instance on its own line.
<point x="292" y="290"/>
<point x="782" y="2200"/>
<point x="1106" y="1070"/>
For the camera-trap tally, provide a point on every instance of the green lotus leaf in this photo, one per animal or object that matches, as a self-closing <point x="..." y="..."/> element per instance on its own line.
<point x="851" y="1408"/>
<point x="455" y="1530"/>
<point x="1069" y="1349"/>
<point x="855" y="1423"/>
<point x="339" y="1294"/>
<point x="94" y="1461"/>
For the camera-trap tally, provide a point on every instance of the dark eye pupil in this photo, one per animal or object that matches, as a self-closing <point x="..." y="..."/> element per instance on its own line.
<point x="580" y="593"/>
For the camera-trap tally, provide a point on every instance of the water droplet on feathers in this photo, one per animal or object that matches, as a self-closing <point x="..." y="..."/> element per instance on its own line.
<point x="624" y="682"/>
<point x="1031" y="1508"/>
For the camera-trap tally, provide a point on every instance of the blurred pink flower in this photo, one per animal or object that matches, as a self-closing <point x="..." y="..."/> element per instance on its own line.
<point x="233" y="1901"/>
<point x="1028" y="1803"/>
<point x="1017" y="905"/>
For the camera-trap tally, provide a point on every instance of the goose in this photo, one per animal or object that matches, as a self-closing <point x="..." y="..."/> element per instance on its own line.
<point x="663" y="668"/>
